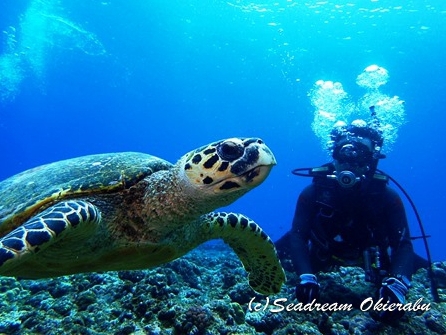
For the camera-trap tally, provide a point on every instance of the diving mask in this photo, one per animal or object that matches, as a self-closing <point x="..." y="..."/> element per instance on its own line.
<point x="354" y="158"/>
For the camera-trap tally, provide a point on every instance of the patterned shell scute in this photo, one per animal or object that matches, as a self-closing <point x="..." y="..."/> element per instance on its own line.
<point x="26" y="193"/>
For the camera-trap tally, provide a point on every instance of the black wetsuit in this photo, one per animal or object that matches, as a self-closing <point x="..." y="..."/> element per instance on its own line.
<point x="333" y="226"/>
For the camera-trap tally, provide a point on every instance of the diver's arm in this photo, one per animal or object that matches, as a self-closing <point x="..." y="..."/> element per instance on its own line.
<point x="300" y="231"/>
<point x="399" y="236"/>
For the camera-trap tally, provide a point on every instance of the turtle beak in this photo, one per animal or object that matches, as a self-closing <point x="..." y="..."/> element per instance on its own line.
<point x="257" y="175"/>
<point x="260" y="172"/>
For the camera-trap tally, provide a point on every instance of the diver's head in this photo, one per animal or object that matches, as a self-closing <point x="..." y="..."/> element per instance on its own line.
<point x="356" y="149"/>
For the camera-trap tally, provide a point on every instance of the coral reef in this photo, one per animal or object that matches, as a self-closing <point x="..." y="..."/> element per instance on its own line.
<point x="205" y="292"/>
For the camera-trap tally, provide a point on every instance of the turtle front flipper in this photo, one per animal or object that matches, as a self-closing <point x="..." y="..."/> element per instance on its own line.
<point x="42" y="231"/>
<point x="254" y="248"/>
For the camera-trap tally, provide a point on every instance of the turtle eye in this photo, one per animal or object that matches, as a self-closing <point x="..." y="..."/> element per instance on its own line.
<point x="230" y="151"/>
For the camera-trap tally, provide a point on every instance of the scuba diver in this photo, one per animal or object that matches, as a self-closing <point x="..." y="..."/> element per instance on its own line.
<point x="349" y="216"/>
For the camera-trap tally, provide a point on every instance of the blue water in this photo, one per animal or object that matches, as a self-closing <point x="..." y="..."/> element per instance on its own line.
<point x="165" y="77"/>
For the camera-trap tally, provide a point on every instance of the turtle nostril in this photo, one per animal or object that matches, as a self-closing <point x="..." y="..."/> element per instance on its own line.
<point x="230" y="151"/>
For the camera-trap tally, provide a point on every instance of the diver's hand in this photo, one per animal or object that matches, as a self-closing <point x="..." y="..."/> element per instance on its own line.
<point x="393" y="291"/>
<point x="308" y="288"/>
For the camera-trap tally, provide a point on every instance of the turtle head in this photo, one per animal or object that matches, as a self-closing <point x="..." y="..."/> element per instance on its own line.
<point x="229" y="167"/>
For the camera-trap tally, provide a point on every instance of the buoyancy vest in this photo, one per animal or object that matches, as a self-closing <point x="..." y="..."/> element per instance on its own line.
<point x="348" y="221"/>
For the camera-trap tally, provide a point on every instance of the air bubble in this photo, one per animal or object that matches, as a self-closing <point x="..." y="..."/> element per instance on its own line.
<point x="334" y="109"/>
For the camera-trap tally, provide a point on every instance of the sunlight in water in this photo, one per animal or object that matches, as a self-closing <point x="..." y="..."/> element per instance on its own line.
<point x="30" y="48"/>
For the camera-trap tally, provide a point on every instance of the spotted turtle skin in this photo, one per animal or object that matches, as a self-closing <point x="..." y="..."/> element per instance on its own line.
<point x="124" y="211"/>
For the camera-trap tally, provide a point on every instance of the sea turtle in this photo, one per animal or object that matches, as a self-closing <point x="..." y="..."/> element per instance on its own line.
<point x="124" y="211"/>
